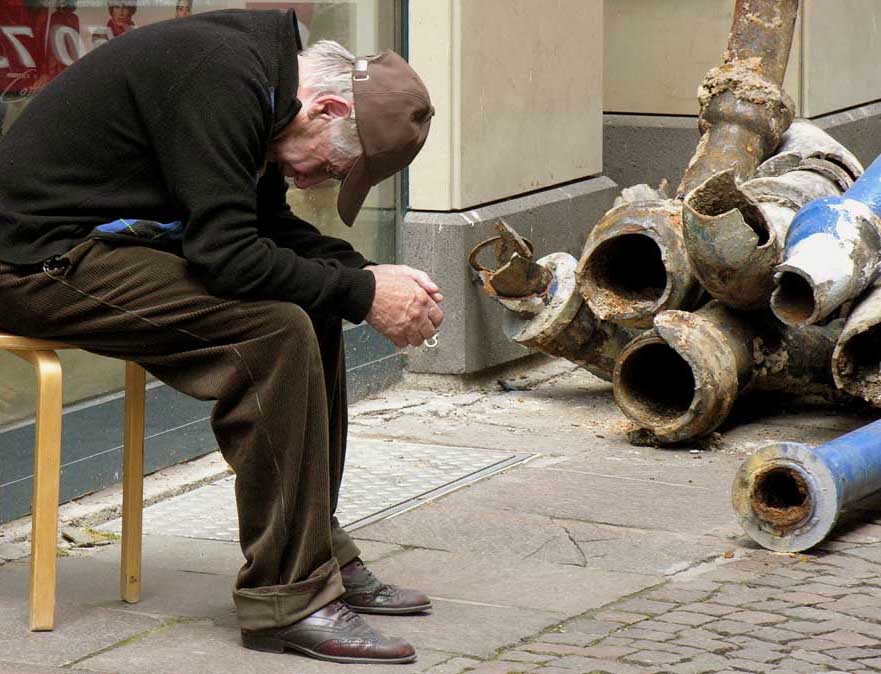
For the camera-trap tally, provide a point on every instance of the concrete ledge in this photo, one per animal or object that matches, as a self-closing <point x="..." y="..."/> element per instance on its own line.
<point x="471" y="338"/>
<point x="650" y="148"/>
<point x="858" y="129"/>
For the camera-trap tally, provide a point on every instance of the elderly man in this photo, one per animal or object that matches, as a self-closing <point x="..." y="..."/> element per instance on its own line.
<point x="143" y="216"/>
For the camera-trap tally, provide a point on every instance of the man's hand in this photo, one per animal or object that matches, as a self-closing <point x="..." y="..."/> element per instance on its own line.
<point x="405" y="307"/>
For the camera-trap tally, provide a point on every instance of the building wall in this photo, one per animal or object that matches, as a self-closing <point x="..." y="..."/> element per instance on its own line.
<point x="518" y="107"/>
<point x="517" y="85"/>
<point x="842" y="40"/>
<point x="657" y="53"/>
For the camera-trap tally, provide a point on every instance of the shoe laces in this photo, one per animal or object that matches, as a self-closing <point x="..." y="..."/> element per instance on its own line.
<point x="369" y="575"/>
<point x="345" y="614"/>
<point x="366" y="578"/>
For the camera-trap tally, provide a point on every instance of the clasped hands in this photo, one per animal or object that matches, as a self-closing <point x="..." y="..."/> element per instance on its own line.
<point x="406" y="305"/>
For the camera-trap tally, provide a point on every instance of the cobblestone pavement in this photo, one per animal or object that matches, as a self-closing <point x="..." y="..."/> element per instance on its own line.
<point x="767" y="612"/>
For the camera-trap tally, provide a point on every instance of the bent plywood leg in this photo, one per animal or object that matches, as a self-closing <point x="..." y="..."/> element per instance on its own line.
<point x="47" y="472"/>
<point x="132" y="483"/>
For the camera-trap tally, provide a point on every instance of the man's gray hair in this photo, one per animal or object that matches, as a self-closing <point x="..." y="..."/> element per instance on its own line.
<point x="329" y="71"/>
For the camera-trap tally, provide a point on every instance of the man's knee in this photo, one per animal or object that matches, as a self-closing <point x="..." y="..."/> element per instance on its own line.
<point x="287" y="319"/>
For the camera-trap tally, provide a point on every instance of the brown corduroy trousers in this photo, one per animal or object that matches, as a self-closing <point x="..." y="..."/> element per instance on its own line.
<point x="276" y="373"/>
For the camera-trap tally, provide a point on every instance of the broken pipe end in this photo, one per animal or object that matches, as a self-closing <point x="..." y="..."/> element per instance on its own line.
<point x="831" y="255"/>
<point x="541" y="329"/>
<point x="786" y="497"/>
<point x="856" y="360"/>
<point x="679" y="380"/>
<point x="731" y="246"/>
<point x="635" y="265"/>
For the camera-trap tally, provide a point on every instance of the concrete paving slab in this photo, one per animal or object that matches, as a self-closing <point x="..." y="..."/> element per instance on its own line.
<point x="12" y="551"/>
<point x="181" y="554"/>
<point x="647" y="552"/>
<point x="589" y="497"/>
<point x="203" y="648"/>
<point x="566" y="590"/>
<point x="165" y="593"/>
<point x="372" y="551"/>
<point x="706" y="470"/>
<point x="450" y="627"/>
<point x="448" y="525"/>
<point x="15" y="668"/>
<point x="560" y="418"/>
<point x="79" y="631"/>
<point x="452" y="526"/>
<point x="208" y="557"/>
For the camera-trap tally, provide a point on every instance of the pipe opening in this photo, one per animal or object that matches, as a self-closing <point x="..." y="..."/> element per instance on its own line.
<point x="657" y="383"/>
<point x="628" y="268"/>
<point x="860" y="363"/>
<point x="719" y="195"/>
<point x="781" y="498"/>
<point x="793" y="300"/>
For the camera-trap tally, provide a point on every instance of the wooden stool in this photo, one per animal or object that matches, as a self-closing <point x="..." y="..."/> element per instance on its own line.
<point x="47" y="472"/>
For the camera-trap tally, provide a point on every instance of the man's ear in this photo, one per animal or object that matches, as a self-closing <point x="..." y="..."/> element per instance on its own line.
<point x="332" y="106"/>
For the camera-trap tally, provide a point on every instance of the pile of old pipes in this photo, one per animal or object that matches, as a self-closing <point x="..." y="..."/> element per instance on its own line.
<point x="758" y="274"/>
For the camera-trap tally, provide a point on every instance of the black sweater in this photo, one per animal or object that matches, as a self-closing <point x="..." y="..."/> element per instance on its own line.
<point x="158" y="138"/>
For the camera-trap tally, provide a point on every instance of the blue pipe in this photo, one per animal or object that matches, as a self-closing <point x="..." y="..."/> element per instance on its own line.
<point x="832" y="252"/>
<point x="788" y="496"/>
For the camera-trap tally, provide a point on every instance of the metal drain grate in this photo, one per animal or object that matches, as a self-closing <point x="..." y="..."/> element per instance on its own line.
<point x="382" y="479"/>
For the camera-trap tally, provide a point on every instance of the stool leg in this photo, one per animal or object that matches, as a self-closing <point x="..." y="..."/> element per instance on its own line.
<point x="132" y="483"/>
<point x="47" y="474"/>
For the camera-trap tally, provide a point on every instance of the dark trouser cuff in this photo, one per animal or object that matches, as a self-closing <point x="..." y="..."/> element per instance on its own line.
<point x="279" y="605"/>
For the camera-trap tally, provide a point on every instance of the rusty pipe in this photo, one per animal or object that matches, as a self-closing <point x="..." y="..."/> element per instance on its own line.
<point x="734" y="234"/>
<point x="832" y="252"/>
<point x="563" y="326"/>
<point x="549" y="315"/>
<point x="788" y="496"/>
<point x="680" y="380"/>
<point x="804" y="140"/>
<point x="744" y="111"/>
<point x="856" y="361"/>
<point x="634" y="264"/>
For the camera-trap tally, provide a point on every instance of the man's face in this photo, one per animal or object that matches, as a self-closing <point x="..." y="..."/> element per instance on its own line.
<point x="182" y="10"/>
<point x="305" y="153"/>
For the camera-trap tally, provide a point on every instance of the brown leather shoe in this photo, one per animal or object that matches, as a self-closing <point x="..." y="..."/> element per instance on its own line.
<point x="332" y="633"/>
<point x="365" y="593"/>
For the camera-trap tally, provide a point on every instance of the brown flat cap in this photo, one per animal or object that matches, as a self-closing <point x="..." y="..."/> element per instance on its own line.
<point x="393" y="113"/>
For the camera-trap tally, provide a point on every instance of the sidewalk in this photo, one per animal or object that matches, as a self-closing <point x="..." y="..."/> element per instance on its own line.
<point x="592" y="556"/>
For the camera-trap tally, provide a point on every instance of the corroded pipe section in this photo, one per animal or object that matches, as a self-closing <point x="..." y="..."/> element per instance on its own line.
<point x="516" y="275"/>
<point x="734" y="234"/>
<point x="805" y="140"/>
<point x="680" y="380"/>
<point x="832" y="252"/>
<point x="550" y="315"/>
<point x="634" y="264"/>
<point x="788" y="496"/>
<point x="564" y="326"/>
<point x="856" y="361"/>
<point x="744" y="110"/>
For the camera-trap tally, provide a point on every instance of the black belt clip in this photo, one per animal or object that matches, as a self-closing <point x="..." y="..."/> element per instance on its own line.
<point x="55" y="264"/>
